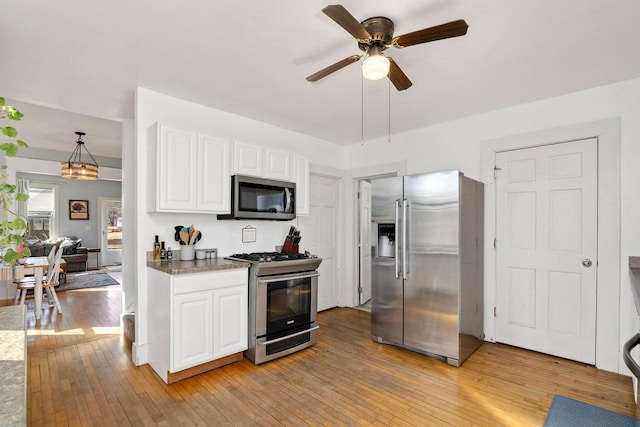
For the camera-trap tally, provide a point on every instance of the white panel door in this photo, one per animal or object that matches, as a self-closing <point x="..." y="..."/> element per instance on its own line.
<point x="230" y="312"/>
<point x="364" y="203"/>
<point x="214" y="183"/>
<point x="546" y="249"/>
<point x="320" y="231"/>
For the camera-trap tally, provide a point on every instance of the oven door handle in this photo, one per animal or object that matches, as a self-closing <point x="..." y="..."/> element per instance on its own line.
<point x="292" y="276"/>
<point x="626" y="355"/>
<point x="306" y="331"/>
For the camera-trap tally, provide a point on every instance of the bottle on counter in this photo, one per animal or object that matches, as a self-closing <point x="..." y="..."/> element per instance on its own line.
<point x="169" y="254"/>
<point x="163" y="252"/>
<point x="156" y="250"/>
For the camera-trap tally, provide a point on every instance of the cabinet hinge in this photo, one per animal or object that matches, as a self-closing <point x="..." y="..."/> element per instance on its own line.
<point x="495" y="312"/>
<point x="495" y="171"/>
<point x="359" y="195"/>
<point x="359" y="289"/>
<point x="495" y="243"/>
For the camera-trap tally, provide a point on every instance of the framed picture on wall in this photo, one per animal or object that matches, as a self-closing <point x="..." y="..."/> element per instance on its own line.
<point x="78" y="209"/>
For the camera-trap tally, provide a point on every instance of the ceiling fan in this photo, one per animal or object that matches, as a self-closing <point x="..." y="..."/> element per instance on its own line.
<point x="374" y="36"/>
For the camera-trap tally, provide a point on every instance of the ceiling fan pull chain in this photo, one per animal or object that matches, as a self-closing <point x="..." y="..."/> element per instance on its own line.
<point x="361" y="110"/>
<point x="389" y="110"/>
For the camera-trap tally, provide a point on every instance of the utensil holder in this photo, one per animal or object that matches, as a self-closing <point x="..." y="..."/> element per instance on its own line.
<point x="187" y="252"/>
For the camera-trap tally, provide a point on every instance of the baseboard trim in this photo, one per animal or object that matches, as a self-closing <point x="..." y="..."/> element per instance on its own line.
<point x="196" y="370"/>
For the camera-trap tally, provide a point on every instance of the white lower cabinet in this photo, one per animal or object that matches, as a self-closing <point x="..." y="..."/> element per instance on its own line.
<point x="192" y="329"/>
<point x="195" y="320"/>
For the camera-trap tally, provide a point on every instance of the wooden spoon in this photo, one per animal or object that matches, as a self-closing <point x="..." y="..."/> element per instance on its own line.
<point x="193" y="236"/>
<point x="184" y="237"/>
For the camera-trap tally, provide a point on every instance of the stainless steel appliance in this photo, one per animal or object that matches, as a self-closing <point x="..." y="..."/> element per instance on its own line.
<point x="283" y="303"/>
<point x="427" y="265"/>
<point x="258" y="198"/>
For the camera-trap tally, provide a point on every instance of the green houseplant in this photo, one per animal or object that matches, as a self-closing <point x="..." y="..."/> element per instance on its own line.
<point x="13" y="227"/>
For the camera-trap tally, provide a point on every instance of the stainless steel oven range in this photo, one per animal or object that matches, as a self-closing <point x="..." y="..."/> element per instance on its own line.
<point x="283" y="303"/>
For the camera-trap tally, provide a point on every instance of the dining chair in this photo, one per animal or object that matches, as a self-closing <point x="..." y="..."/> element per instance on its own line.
<point x="24" y="284"/>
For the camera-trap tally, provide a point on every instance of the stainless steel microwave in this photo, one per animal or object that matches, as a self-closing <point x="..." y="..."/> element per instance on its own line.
<point x="259" y="198"/>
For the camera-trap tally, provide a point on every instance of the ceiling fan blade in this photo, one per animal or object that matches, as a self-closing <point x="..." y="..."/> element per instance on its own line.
<point x="343" y="18"/>
<point x="439" y="32"/>
<point x="397" y="76"/>
<point x="333" y="68"/>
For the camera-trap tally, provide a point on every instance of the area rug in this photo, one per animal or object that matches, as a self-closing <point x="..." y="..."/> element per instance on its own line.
<point x="86" y="279"/>
<point x="566" y="412"/>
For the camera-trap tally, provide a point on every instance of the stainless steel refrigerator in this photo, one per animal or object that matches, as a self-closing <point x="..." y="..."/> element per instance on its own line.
<point x="427" y="264"/>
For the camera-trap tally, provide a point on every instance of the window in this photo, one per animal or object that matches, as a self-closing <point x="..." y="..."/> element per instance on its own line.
<point x="42" y="210"/>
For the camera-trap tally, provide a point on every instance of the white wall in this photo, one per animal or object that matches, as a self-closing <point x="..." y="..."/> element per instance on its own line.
<point x="152" y="107"/>
<point x="457" y="145"/>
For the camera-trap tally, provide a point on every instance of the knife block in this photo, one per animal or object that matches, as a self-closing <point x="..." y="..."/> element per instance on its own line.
<point x="288" y="246"/>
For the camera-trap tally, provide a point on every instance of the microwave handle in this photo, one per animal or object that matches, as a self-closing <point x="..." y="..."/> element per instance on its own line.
<point x="287" y="200"/>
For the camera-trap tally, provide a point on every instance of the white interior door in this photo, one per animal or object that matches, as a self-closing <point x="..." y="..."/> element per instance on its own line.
<point x="546" y="249"/>
<point x="111" y="231"/>
<point x="364" y="204"/>
<point x="320" y="231"/>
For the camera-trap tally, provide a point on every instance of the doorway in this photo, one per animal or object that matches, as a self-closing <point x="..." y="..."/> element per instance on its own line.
<point x="110" y="231"/>
<point x="608" y="304"/>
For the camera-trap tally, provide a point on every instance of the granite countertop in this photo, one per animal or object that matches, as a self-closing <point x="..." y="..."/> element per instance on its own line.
<point x="196" y="266"/>
<point x="13" y="372"/>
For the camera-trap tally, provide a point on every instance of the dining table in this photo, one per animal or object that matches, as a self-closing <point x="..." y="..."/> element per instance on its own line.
<point x="37" y="265"/>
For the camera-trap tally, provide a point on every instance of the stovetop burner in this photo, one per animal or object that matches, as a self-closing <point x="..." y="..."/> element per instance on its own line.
<point x="271" y="256"/>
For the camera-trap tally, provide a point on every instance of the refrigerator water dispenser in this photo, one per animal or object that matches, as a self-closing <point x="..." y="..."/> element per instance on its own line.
<point x="386" y="240"/>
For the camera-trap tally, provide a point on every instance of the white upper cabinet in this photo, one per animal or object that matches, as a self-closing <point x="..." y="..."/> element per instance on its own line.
<point x="262" y="162"/>
<point x="248" y="159"/>
<point x="189" y="172"/>
<point x="277" y="164"/>
<point x="214" y="186"/>
<point x="301" y="178"/>
<point x="177" y="160"/>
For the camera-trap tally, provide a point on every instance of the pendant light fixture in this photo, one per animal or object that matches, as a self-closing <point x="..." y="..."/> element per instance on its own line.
<point x="75" y="167"/>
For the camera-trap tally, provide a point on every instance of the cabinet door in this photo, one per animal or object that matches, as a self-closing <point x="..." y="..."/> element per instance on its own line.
<point x="176" y="173"/>
<point x="230" y="320"/>
<point x="277" y="164"/>
<point x="301" y="177"/>
<point x="192" y="339"/>
<point x="214" y="181"/>
<point x="247" y="159"/>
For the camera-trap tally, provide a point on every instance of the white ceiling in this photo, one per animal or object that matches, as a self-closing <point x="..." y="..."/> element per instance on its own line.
<point x="252" y="57"/>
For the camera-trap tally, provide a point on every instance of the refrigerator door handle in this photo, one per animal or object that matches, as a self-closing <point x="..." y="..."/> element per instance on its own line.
<point x="405" y="224"/>
<point x="396" y="245"/>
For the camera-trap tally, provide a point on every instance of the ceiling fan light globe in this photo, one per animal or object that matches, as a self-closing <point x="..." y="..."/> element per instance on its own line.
<point x="375" y="67"/>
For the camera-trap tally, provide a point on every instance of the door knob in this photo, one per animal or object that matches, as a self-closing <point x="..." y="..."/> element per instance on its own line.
<point x="586" y="262"/>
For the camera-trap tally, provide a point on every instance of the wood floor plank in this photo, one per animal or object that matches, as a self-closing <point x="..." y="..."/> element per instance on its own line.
<point x="80" y="373"/>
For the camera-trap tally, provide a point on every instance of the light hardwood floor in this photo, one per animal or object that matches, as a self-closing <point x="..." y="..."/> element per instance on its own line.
<point x="80" y="373"/>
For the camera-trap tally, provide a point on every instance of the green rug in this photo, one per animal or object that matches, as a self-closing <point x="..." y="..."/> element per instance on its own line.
<point x="86" y="279"/>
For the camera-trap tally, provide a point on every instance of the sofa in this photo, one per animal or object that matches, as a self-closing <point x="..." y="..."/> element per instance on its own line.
<point x="74" y="254"/>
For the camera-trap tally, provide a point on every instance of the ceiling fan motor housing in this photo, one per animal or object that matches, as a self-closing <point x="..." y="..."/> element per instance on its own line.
<point x="381" y="30"/>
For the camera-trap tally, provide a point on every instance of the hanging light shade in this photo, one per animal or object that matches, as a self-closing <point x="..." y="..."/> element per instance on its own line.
<point x="76" y="168"/>
<point x="376" y="65"/>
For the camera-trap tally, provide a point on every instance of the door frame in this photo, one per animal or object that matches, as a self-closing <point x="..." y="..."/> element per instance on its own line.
<point x="352" y="227"/>
<point x="608" y="352"/>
